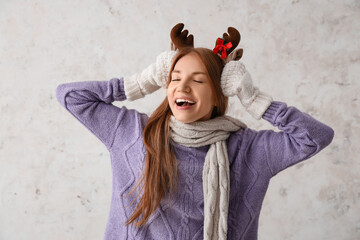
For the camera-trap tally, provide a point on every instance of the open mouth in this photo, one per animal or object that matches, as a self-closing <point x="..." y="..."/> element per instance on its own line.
<point x="184" y="102"/>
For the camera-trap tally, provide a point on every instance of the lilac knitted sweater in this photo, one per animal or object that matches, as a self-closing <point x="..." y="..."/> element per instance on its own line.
<point x="255" y="157"/>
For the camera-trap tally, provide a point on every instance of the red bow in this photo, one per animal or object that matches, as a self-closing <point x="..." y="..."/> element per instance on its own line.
<point x="221" y="47"/>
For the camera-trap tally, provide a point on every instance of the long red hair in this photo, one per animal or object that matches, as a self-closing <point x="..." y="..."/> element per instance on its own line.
<point x="160" y="172"/>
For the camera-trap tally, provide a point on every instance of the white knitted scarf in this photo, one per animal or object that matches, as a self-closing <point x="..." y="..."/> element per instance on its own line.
<point x="216" y="173"/>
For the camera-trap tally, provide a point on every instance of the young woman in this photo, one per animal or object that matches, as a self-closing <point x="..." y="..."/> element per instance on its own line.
<point x="189" y="171"/>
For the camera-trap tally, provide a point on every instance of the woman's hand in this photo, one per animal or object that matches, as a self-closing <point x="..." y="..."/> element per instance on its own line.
<point x="162" y="65"/>
<point x="151" y="78"/>
<point x="236" y="80"/>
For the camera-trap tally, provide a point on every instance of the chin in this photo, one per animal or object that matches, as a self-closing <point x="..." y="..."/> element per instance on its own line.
<point x="190" y="116"/>
<point x="189" y="119"/>
<point x="184" y="119"/>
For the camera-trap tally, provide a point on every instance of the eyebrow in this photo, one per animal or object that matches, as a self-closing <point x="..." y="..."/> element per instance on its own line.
<point x="194" y="73"/>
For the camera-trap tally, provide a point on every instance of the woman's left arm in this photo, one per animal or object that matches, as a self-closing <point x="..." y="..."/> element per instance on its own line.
<point x="300" y="138"/>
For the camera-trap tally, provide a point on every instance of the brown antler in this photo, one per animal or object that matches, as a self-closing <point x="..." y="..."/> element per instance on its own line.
<point x="180" y="38"/>
<point x="233" y="37"/>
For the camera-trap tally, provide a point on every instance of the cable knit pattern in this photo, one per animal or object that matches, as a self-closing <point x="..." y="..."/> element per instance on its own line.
<point x="254" y="158"/>
<point x="236" y="80"/>
<point x="187" y="197"/>
<point x="151" y="78"/>
<point x="216" y="177"/>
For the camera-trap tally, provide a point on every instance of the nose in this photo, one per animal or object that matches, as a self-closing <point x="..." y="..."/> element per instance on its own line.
<point x="184" y="86"/>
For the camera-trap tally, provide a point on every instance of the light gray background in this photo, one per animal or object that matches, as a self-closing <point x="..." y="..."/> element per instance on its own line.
<point x="55" y="177"/>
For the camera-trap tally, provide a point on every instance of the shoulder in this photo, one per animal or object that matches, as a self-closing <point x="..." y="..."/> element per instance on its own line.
<point x="240" y="140"/>
<point x="241" y="136"/>
<point x="130" y="125"/>
<point x="246" y="146"/>
<point x="246" y="141"/>
<point x="132" y="118"/>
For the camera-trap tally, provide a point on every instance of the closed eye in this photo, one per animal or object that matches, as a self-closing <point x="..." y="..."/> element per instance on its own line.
<point x="176" y="79"/>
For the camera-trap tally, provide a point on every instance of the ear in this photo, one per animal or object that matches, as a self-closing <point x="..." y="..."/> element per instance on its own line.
<point x="235" y="55"/>
<point x="173" y="47"/>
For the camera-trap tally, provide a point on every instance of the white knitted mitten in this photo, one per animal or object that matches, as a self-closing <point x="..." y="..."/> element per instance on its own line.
<point x="236" y="80"/>
<point x="151" y="78"/>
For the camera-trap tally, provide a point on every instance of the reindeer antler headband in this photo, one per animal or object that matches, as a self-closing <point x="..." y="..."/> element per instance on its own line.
<point x="223" y="46"/>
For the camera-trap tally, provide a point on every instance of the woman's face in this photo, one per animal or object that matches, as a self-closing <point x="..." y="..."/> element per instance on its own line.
<point x="190" y="93"/>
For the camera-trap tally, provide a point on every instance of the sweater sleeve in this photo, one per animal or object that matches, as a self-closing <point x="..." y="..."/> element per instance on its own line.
<point x="90" y="102"/>
<point x="300" y="138"/>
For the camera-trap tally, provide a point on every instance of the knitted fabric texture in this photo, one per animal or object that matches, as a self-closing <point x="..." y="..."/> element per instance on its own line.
<point x="216" y="178"/>
<point x="236" y="80"/>
<point x="254" y="158"/>
<point x="151" y="78"/>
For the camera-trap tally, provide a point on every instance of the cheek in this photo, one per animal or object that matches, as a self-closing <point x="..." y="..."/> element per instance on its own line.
<point x="208" y="96"/>
<point x="168" y="90"/>
<point x="170" y="93"/>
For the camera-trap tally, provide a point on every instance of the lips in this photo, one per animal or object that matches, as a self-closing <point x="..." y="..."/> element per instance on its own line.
<point x="183" y="102"/>
<point x="184" y="107"/>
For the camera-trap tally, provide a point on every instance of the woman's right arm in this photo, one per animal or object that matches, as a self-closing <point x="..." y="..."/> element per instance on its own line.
<point x="90" y="102"/>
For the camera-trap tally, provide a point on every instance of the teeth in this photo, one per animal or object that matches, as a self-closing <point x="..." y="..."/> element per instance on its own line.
<point x="183" y="100"/>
